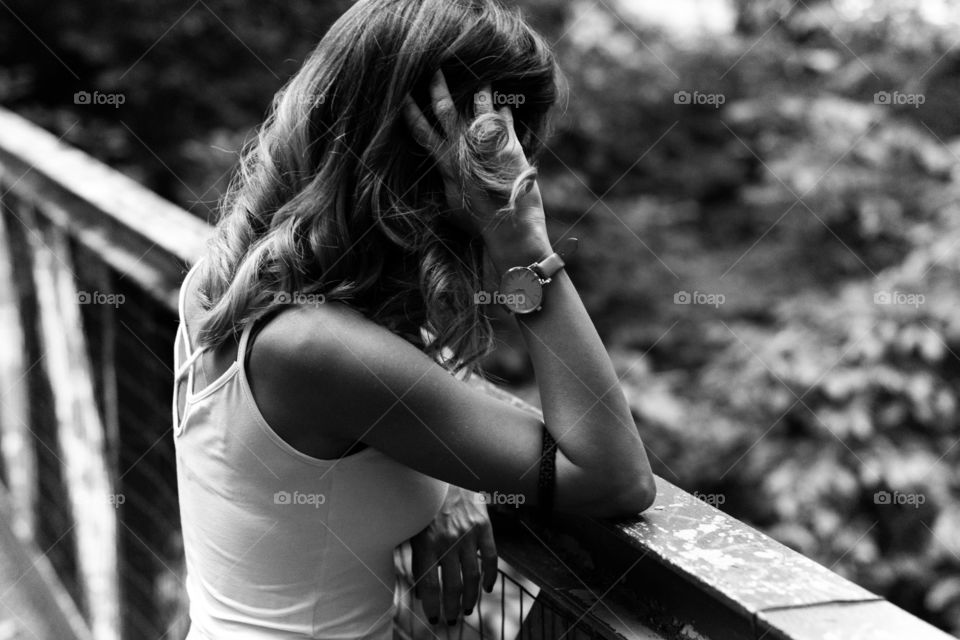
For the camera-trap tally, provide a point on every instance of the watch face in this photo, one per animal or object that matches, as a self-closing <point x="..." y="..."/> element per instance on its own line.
<point x="520" y="290"/>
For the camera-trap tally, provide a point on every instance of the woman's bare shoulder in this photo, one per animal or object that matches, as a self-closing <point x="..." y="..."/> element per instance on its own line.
<point x="328" y="343"/>
<point x="307" y="330"/>
<point x="330" y="360"/>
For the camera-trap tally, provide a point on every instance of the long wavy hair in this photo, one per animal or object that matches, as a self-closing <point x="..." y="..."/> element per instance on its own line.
<point x="335" y="198"/>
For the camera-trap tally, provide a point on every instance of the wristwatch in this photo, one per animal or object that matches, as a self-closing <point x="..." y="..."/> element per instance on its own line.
<point x="521" y="288"/>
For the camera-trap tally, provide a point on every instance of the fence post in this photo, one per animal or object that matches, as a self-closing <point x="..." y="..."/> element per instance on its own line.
<point x="16" y="440"/>
<point x="80" y="431"/>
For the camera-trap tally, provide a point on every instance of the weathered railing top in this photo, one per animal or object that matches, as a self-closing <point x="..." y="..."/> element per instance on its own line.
<point x="135" y="231"/>
<point x="682" y="569"/>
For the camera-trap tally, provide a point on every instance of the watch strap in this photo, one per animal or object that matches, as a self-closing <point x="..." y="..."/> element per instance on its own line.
<point x="550" y="265"/>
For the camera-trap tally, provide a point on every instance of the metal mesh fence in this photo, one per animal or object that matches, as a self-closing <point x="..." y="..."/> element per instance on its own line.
<point x="128" y="338"/>
<point x="149" y="533"/>
<point x="516" y="609"/>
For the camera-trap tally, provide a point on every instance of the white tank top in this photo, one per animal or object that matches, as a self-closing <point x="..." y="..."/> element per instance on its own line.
<point x="280" y="544"/>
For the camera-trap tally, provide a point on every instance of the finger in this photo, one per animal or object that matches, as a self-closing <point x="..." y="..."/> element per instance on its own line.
<point x="483" y="101"/>
<point x="403" y="560"/>
<point x="488" y="557"/>
<point x="507" y="114"/>
<point x="421" y="129"/>
<point x="470" y="570"/>
<point x="452" y="586"/>
<point x="443" y="105"/>
<point x="427" y="583"/>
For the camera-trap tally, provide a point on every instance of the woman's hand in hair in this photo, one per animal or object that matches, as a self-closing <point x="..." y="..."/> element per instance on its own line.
<point x="489" y="184"/>
<point x="453" y="556"/>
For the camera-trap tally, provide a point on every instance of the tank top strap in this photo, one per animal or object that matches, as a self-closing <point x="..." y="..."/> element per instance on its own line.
<point x="251" y="329"/>
<point x="183" y="336"/>
<point x="182" y="305"/>
<point x="186" y="364"/>
<point x="244" y="342"/>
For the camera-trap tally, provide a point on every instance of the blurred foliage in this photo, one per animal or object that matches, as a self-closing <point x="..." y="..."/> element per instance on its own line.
<point x="802" y="199"/>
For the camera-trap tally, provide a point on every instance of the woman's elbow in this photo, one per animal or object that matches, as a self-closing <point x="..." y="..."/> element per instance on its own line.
<point x="619" y="497"/>
<point x="634" y="496"/>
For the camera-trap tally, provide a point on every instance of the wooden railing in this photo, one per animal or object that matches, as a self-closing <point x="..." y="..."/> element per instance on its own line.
<point x="90" y="263"/>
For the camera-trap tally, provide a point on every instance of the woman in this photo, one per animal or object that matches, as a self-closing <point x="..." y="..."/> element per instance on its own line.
<point x="317" y="423"/>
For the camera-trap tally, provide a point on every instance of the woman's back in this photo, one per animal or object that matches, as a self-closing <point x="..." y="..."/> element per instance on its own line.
<point x="280" y="544"/>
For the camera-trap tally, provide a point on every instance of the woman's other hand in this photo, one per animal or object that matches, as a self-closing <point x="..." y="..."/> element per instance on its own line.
<point x="472" y="207"/>
<point x="452" y="555"/>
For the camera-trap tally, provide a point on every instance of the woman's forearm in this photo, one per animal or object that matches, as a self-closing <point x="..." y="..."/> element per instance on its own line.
<point x="584" y="407"/>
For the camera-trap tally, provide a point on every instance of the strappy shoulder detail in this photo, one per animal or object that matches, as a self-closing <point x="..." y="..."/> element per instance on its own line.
<point x="182" y="306"/>
<point x="180" y="368"/>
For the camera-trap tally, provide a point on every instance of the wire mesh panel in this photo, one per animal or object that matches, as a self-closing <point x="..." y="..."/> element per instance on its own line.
<point x="127" y="336"/>
<point x="515" y="609"/>
<point x="149" y="523"/>
<point x="44" y="513"/>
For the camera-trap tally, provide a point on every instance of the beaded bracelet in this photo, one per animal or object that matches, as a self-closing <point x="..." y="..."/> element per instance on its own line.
<point x="546" y="483"/>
